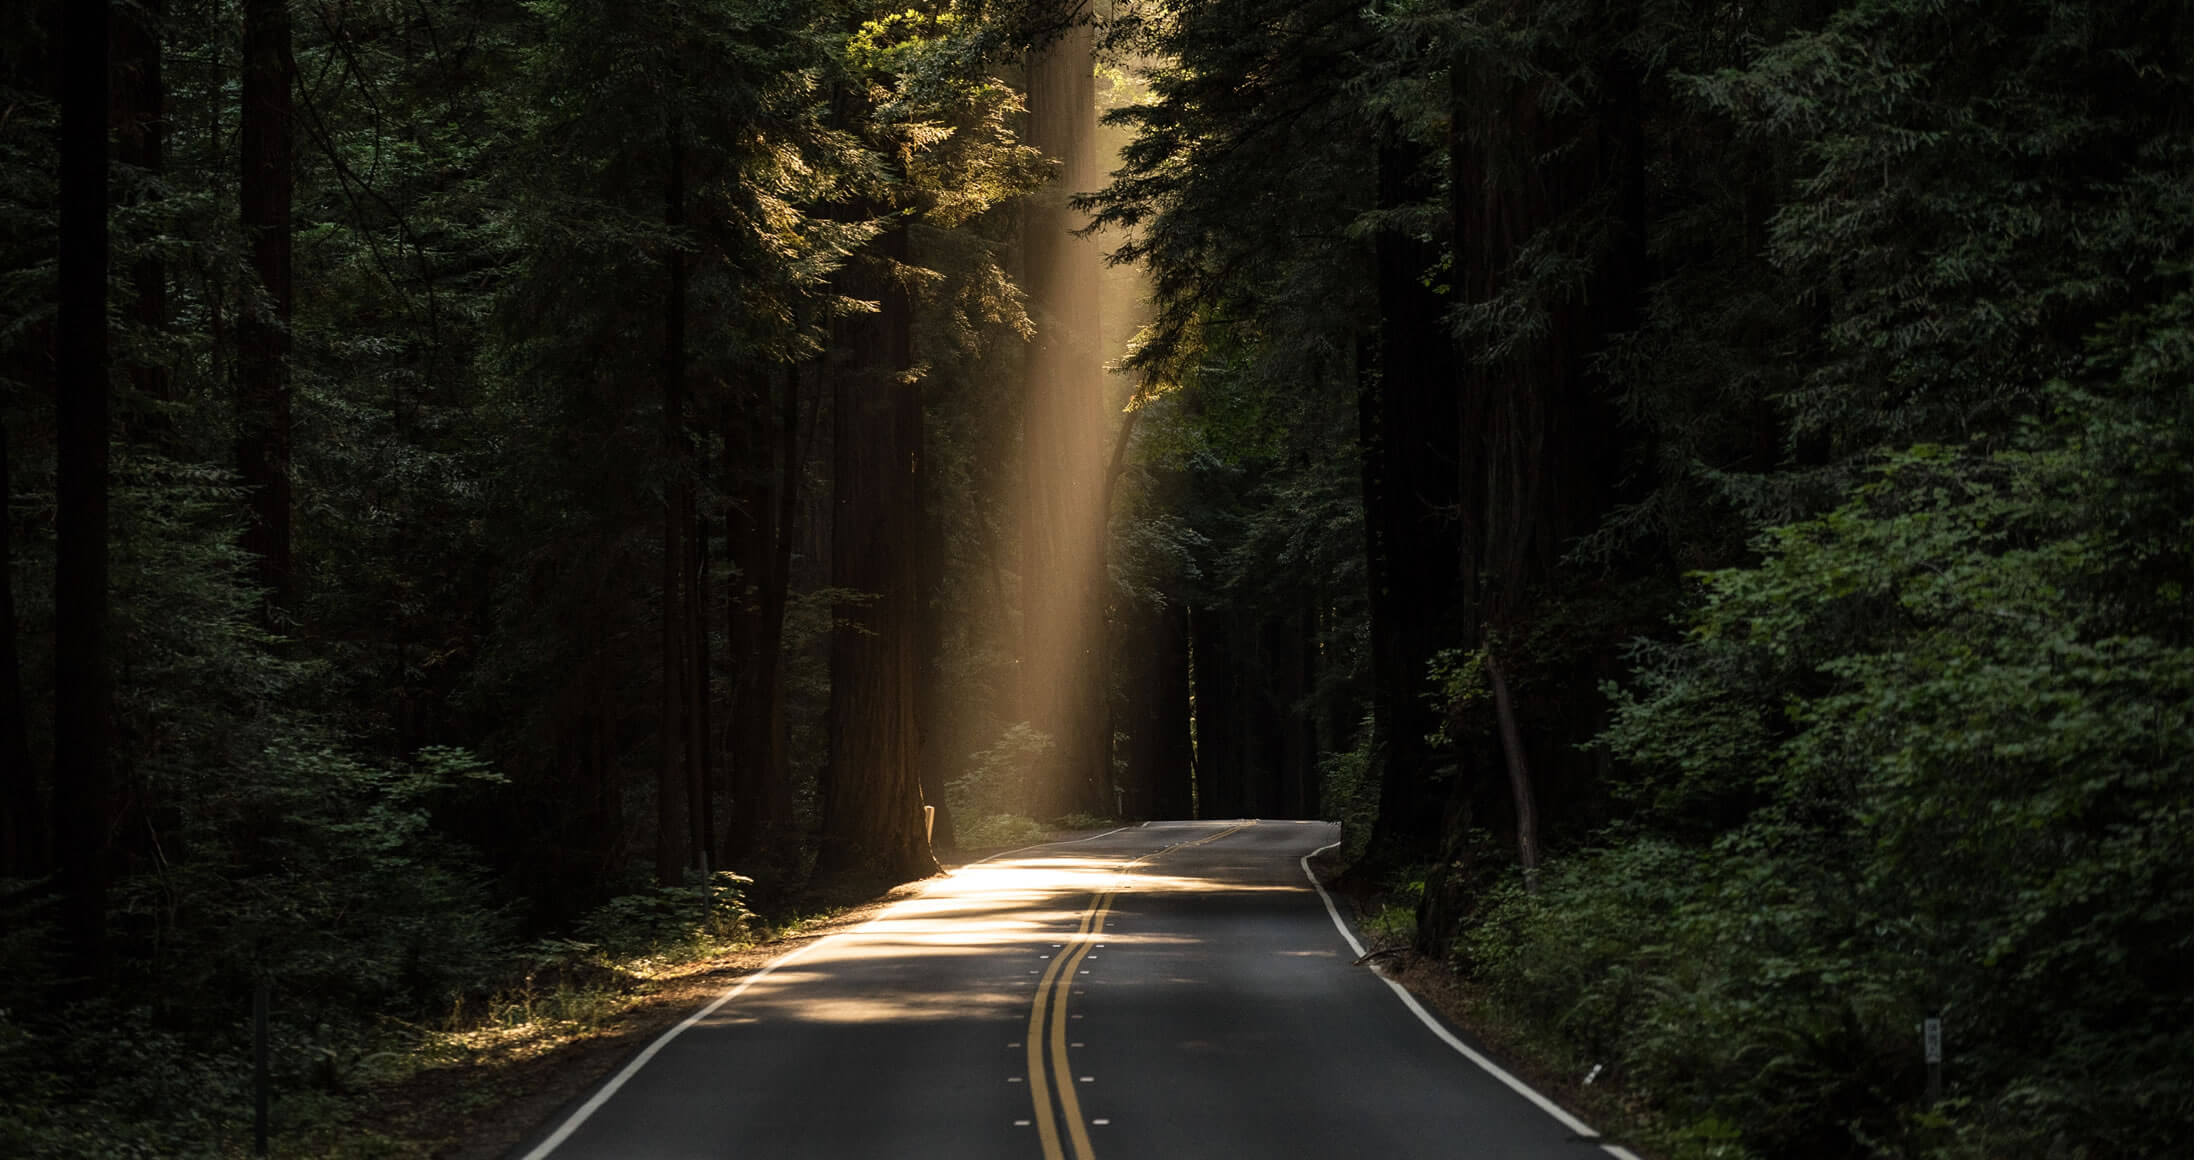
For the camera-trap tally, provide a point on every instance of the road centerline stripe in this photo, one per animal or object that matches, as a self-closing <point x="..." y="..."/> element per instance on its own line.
<point x="1055" y="990"/>
<point x="1042" y="1104"/>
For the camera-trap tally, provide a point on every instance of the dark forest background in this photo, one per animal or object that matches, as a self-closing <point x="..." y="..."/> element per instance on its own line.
<point x="513" y="489"/>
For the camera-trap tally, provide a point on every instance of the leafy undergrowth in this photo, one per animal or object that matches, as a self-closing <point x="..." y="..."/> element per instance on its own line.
<point x="102" y="1080"/>
<point x="989" y="833"/>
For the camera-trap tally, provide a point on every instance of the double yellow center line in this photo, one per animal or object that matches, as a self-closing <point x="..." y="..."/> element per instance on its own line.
<point x="1046" y="1040"/>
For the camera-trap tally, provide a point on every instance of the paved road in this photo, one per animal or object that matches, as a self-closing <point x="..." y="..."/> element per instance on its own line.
<point x="1173" y="990"/>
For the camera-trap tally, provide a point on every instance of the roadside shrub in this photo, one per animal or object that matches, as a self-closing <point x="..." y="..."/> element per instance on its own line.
<point x="999" y="831"/>
<point x="690" y="918"/>
<point x="999" y="780"/>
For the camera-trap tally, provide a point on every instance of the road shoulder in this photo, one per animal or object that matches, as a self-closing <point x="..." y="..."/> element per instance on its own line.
<point x="1619" y="1116"/>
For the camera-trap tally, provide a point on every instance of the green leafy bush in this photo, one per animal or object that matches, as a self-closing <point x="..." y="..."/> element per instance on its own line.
<point x="686" y="919"/>
<point x="999" y="831"/>
<point x="1000" y="778"/>
<point x="1951" y="719"/>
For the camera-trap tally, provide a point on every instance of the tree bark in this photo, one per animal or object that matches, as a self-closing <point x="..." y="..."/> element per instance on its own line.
<point x="263" y="333"/>
<point x="1516" y="770"/>
<point x="674" y="788"/>
<point x="760" y="535"/>
<point x="22" y="827"/>
<point x="1409" y="447"/>
<point x="872" y="800"/>
<point x="1171" y="748"/>
<point x="82" y="711"/>
<point x="1063" y="673"/>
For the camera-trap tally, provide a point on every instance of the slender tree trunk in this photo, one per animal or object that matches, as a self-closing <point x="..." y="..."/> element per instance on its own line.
<point x="22" y="828"/>
<point x="933" y="759"/>
<point x="778" y="795"/>
<point x="1516" y="770"/>
<point x="263" y="334"/>
<point x="140" y="144"/>
<point x="674" y="788"/>
<point x="81" y="689"/>
<point x="701" y="833"/>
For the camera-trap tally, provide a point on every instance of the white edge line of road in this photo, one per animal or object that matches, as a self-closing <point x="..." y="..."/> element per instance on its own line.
<point x="611" y="1087"/>
<point x="1440" y="1031"/>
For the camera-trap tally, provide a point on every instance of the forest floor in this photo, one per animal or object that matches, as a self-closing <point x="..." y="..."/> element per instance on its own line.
<point x="476" y="1094"/>
<point x="1621" y="1116"/>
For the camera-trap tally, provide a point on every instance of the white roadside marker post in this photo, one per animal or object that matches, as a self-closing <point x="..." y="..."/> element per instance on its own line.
<point x="1932" y="1062"/>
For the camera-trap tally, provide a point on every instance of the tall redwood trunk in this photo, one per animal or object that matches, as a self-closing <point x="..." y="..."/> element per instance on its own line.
<point x="1172" y="749"/>
<point x="702" y="835"/>
<point x="759" y="540"/>
<point x="22" y="826"/>
<point x="1063" y="670"/>
<point x="1409" y="446"/>
<point x="81" y="688"/>
<point x="1537" y="428"/>
<point x="873" y="820"/>
<point x="675" y="810"/>
<point x="263" y="333"/>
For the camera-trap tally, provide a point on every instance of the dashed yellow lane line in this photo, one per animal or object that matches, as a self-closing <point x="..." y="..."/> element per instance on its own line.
<point x="1055" y="987"/>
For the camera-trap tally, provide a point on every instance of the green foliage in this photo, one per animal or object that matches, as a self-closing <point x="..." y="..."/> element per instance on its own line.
<point x="669" y="921"/>
<point x="997" y="831"/>
<point x="1351" y="790"/>
<point x="1950" y="720"/>
<point x="1001" y="780"/>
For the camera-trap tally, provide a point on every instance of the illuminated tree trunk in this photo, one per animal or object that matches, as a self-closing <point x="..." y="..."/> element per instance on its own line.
<point x="1063" y="674"/>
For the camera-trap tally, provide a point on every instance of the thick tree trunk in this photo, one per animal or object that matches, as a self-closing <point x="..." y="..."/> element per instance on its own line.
<point x="749" y="528"/>
<point x="872" y="800"/>
<point x="1220" y="673"/>
<point x="1063" y="670"/>
<point x="1171" y="721"/>
<point x="1538" y="432"/>
<point x="81" y="690"/>
<point x="760" y="534"/>
<point x="22" y="825"/>
<point x="1409" y="447"/>
<point x="263" y="333"/>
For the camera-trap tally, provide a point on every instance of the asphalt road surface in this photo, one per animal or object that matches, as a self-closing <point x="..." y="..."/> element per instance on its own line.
<point x="1179" y="989"/>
